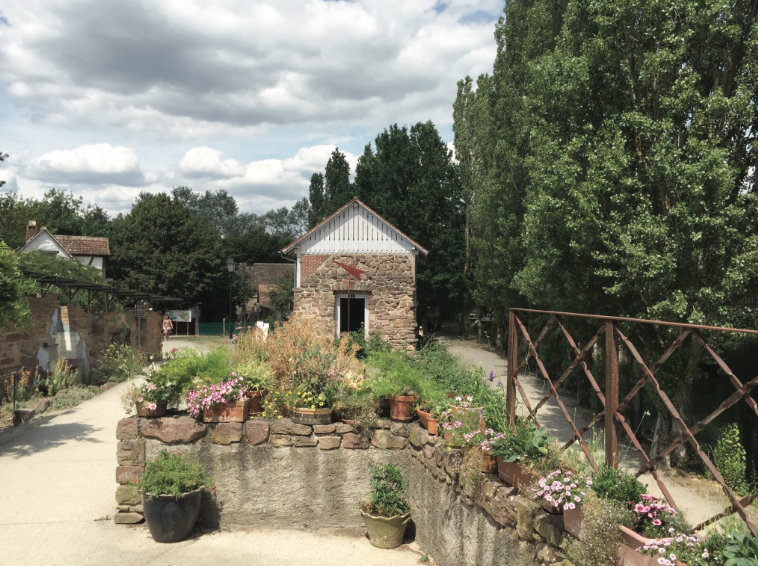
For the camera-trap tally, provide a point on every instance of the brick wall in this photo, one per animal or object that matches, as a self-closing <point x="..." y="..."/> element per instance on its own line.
<point x="309" y="264"/>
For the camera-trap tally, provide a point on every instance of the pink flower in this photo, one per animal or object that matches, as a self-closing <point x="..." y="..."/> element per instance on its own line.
<point x="657" y="522"/>
<point x="640" y="508"/>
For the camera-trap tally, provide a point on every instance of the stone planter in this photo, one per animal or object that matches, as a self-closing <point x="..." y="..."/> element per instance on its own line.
<point x="628" y="555"/>
<point x="385" y="532"/>
<point x="516" y="475"/>
<point x="232" y="412"/>
<point x="401" y="407"/>
<point x="573" y="522"/>
<point x="159" y="411"/>
<point x="172" y="519"/>
<point x="256" y="401"/>
<point x="311" y="416"/>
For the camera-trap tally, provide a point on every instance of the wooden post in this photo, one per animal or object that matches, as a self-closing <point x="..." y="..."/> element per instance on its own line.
<point x="611" y="396"/>
<point x="510" y="385"/>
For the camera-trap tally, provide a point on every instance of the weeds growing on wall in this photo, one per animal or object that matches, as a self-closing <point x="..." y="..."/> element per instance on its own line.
<point x="118" y="363"/>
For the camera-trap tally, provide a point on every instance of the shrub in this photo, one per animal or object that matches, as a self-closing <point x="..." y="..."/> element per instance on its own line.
<point x="602" y="538"/>
<point x="118" y="363"/>
<point x="388" y="496"/>
<point x="729" y="458"/>
<point x="72" y="396"/>
<point x="171" y="473"/>
<point x="617" y="485"/>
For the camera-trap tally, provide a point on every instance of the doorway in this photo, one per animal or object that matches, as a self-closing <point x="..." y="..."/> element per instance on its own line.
<point x="351" y="313"/>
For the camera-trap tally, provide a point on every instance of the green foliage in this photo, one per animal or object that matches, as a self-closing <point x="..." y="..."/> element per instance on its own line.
<point x="190" y="367"/>
<point x="729" y="458"/>
<point x="258" y="375"/>
<point x="741" y="550"/>
<point x="14" y="288"/>
<point x="388" y="497"/>
<point x="73" y="396"/>
<point x="617" y="485"/>
<point x="118" y="363"/>
<point x="283" y="295"/>
<point x="602" y="534"/>
<point x="523" y="441"/>
<point x="398" y="376"/>
<point x="172" y="473"/>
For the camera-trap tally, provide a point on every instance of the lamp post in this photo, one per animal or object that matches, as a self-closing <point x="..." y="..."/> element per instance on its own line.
<point x="230" y="267"/>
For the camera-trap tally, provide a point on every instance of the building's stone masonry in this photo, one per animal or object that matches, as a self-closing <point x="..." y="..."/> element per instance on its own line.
<point x="388" y="281"/>
<point x="318" y="467"/>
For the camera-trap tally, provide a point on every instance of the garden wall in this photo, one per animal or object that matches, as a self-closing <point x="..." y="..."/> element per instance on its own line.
<point x="278" y="474"/>
<point x="72" y="333"/>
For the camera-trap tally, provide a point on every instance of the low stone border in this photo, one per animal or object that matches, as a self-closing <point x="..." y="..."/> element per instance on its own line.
<point x="316" y="467"/>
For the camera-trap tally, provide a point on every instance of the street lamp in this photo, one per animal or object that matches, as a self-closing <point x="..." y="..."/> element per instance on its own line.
<point x="230" y="267"/>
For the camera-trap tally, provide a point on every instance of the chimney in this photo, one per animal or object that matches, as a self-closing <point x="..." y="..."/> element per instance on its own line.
<point x="31" y="229"/>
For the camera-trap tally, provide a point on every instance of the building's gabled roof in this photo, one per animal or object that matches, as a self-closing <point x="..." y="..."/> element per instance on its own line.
<point x="73" y="245"/>
<point x="375" y="227"/>
<point x="268" y="273"/>
<point x="84" y="245"/>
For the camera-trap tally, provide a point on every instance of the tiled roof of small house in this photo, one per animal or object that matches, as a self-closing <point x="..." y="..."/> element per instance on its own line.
<point x="84" y="245"/>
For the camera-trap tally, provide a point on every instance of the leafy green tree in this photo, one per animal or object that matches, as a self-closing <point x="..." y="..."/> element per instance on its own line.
<point x="318" y="209"/>
<point x="411" y="180"/>
<point x="163" y="248"/>
<point x="15" y="213"/>
<point x="14" y="288"/>
<point x="283" y="295"/>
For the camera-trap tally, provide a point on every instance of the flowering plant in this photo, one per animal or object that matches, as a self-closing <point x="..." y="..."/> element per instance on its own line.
<point x="148" y="394"/>
<point x="688" y="549"/>
<point x="462" y="401"/>
<point x="206" y="396"/>
<point x="654" y="519"/>
<point x="562" y="488"/>
<point x="465" y="429"/>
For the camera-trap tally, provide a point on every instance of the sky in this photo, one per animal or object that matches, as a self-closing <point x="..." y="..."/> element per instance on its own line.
<point x="110" y="98"/>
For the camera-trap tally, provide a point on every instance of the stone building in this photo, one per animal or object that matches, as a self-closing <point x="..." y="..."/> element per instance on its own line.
<point x="356" y="269"/>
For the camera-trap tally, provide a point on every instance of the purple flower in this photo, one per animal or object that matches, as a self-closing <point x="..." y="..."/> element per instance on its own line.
<point x="492" y="376"/>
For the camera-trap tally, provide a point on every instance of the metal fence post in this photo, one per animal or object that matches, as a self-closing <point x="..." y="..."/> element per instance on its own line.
<point x="510" y="385"/>
<point x="611" y="396"/>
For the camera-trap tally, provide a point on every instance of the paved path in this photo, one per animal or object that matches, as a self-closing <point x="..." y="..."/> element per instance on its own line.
<point x="697" y="497"/>
<point x="57" y="496"/>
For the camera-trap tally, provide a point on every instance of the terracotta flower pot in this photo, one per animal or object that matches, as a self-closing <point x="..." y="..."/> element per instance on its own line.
<point x="434" y="427"/>
<point x="628" y="554"/>
<point x="423" y="417"/>
<point x="159" y="411"/>
<point x="429" y="423"/>
<point x="516" y="475"/>
<point x="256" y="400"/>
<point x="401" y="407"/>
<point x="573" y="522"/>
<point x="311" y="416"/>
<point x="232" y="412"/>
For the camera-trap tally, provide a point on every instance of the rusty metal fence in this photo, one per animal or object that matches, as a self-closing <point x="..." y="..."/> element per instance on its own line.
<point x="8" y="386"/>
<point x="611" y="413"/>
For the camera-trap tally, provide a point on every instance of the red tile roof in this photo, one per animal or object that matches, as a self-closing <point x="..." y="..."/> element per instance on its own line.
<point x="84" y="245"/>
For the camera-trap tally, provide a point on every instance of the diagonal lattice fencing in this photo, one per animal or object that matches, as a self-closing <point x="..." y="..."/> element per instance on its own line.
<point x="611" y="332"/>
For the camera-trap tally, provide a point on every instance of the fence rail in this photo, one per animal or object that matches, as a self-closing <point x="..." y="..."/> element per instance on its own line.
<point x="611" y="413"/>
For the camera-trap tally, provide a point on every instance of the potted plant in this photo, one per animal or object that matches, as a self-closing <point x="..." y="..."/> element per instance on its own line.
<point x="563" y="490"/>
<point x="171" y="490"/>
<point x="258" y="378"/>
<point x="399" y="382"/>
<point x="310" y="407"/>
<point x="429" y="413"/>
<point x="464" y="404"/>
<point x="523" y="443"/>
<point x="652" y="520"/>
<point x="387" y="513"/>
<point x="219" y="402"/>
<point x="676" y="550"/>
<point x="150" y="399"/>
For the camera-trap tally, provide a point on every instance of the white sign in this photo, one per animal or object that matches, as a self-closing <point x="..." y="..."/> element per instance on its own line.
<point x="180" y="316"/>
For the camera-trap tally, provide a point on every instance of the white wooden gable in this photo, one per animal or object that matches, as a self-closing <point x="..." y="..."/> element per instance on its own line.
<point x="43" y="241"/>
<point x="355" y="229"/>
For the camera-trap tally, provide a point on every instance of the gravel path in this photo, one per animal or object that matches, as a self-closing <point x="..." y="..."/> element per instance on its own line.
<point x="697" y="497"/>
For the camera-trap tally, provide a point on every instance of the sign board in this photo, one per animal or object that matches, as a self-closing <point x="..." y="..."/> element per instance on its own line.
<point x="180" y="316"/>
<point x="140" y="310"/>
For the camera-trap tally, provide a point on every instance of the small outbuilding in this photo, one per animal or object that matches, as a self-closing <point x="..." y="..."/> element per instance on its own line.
<point x="88" y="250"/>
<point x="356" y="270"/>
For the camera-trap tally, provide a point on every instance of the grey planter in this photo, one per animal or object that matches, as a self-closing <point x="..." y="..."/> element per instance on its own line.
<point x="386" y="532"/>
<point x="172" y="519"/>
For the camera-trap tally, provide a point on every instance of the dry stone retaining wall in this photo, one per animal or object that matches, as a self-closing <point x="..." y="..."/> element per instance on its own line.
<point x="279" y="474"/>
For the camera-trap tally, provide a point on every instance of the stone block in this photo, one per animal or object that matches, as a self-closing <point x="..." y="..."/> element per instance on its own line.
<point x="428" y="451"/>
<point x="329" y="442"/>
<point x="549" y="554"/>
<point x="343" y="428"/>
<point x="126" y="518"/>
<point x="21" y="416"/>
<point x="550" y="527"/>
<point x="418" y="436"/>
<point x="525" y="512"/>
<point x="451" y="461"/>
<point x="352" y="441"/>
<point x="383" y="423"/>
<point x="286" y="426"/>
<point x="131" y="453"/>
<point x="386" y="440"/>
<point x="279" y="440"/>
<point x="127" y="429"/>
<point x="136" y="509"/>
<point x="400" y="429"/>
<point x="173" y="430"/>
<point x="127" y="475"/>
<point x="127" y="495"/>
<point x="257" y="431"/>
<point x="226" y="433"/>
<point x="325" y="429"/>
<point x="43" y="405"/>
<point x="304" y="441"/>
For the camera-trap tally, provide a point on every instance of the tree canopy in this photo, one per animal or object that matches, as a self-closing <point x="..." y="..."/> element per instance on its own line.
<point x="14" y="288"/>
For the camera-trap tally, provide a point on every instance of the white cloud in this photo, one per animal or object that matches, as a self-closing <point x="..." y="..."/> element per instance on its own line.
<point x="206" y="162"/>
<point x="90" y="163"/>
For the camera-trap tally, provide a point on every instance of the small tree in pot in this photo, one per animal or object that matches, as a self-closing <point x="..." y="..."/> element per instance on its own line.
<point x="387" y="513"/>
<point x="171" y="490"/>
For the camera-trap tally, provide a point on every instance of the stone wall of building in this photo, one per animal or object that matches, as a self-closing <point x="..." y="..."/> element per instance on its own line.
<point x="72" y="333"/>
<point x="278" y="474"/>
<point x="388" y="281"/>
